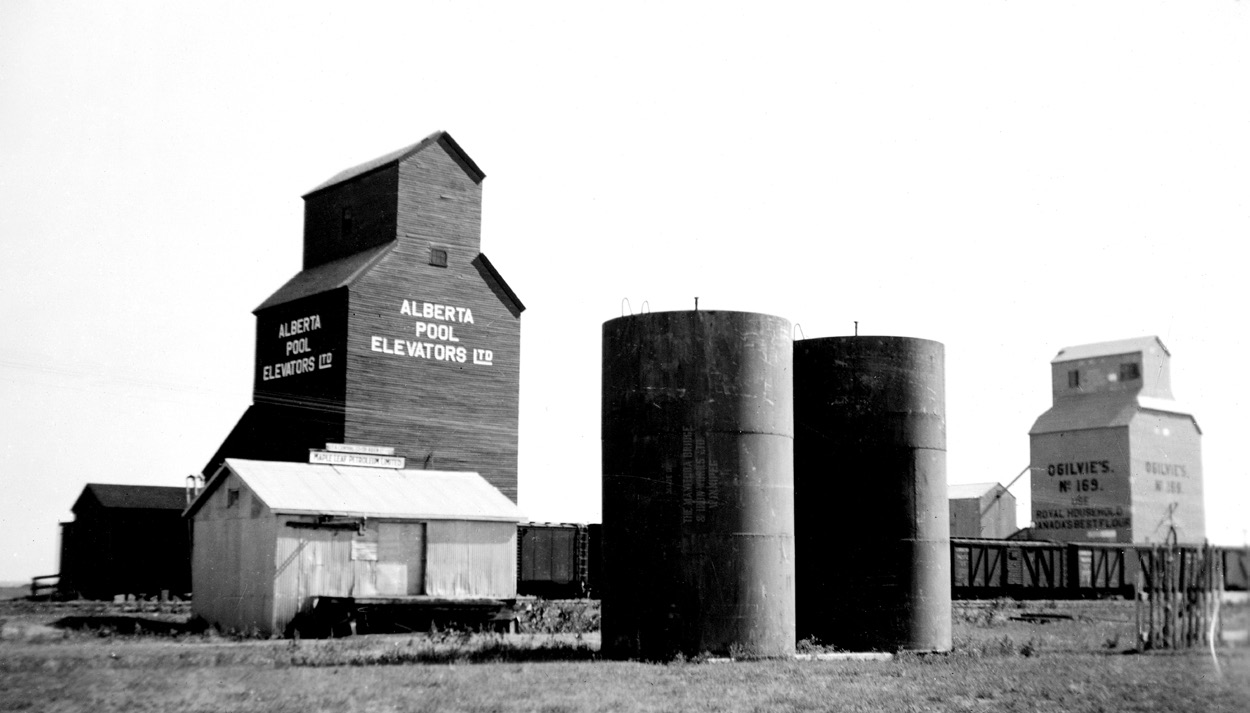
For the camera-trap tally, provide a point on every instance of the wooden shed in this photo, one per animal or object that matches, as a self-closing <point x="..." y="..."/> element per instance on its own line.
<point x="125" y="539"/>
<point x="271" y="538"/>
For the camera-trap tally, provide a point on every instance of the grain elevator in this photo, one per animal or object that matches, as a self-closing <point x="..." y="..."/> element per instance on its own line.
<point x="397" y="332"/>
<point x="1116" y="459"/>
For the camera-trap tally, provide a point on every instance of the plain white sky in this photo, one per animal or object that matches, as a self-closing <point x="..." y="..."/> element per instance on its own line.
<point x="1008" y="178"/>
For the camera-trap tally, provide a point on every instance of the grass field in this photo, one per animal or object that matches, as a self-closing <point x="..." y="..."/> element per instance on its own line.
<point x="13" y="590"/>
<point x="72" y="659"/>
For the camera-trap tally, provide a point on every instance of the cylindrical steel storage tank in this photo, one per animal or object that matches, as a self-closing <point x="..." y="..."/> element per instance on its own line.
<point x="698" y="475"/>
<point x="871" y="516"/>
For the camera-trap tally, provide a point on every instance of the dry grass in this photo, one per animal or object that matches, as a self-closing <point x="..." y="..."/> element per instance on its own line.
<point x="1000" y="664"/>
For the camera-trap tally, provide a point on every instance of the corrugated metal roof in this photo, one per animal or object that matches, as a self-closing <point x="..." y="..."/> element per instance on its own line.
<point x="323" y="278"/>
<point x="306" y="488"/>
<point x="146" y="497"/>
<point x="441" y="137"/>
<point x="1102" y="349"/>
<point x="961" y="491"/>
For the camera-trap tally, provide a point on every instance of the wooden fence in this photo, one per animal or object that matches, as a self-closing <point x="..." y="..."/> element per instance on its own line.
<point x="1178" y="596"/>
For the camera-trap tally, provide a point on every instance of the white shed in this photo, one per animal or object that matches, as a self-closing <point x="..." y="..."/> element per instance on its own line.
<point x="270" y="536"/>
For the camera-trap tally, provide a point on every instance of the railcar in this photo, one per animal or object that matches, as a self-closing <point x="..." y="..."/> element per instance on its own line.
<point x="1026" y="569"/>
<point x="562" y="561"/>
<point x="556" y="560"/>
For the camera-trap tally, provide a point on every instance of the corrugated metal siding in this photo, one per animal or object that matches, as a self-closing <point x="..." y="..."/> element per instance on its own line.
<point x="388" y="559"/>
<point x="310" y="562"/>
<point x="401" y="558"/>
<point x="365" y="562"/>
<point x="471" y="559"/>
<point x="231" y="562"/>
<point x="286" y="589"/>
<point x="240" y="586"/>
<point x="208" y="581"/>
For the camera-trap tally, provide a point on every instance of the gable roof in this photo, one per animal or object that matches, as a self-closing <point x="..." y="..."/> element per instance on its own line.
<point x="962" y="491"/>
<point x="317" y="489"/>
<point x="345" y="271"/>
<point x="328" y="276"/>
<point x="1101" y="349"/>
<point x="1097" y="411"/>
<point x="497" y="285"/>
<point x="1103" y="411"/>
<point x="134" y="497"/>
<point x="442" y="138"/>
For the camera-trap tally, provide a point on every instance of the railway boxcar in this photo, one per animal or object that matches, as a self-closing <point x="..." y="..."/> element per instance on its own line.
<point x="983" y="568"/>
<point x="553" y="560"/>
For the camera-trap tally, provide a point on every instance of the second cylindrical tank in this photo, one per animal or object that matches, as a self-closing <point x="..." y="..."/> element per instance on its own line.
<point x="698" y="508"/>
<point x="871" y="514"/>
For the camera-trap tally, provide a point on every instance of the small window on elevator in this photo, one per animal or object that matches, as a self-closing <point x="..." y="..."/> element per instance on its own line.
<point x="1130" y="371"/>
<point x="1074" y="379"/>
<point x="347" y="225"/>
<point x="438" y="257"/>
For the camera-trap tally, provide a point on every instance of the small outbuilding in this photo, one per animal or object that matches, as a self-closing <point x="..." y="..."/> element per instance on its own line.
<point x="981" y="510"/>
<point x="273" y="539"/>
<point x="125" y="540"/>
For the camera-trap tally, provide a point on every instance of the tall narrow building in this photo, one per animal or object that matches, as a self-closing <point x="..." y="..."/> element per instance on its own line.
<point x="1116" y="459"/>
<point x="398" y="332"/>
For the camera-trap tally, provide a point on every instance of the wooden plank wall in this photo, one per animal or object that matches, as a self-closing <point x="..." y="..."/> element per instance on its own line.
<point x="440" y="413"/>
<point x="371" y="199"/>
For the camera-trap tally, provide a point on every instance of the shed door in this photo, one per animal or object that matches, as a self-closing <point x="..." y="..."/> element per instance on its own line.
<point x="401" y="558"/>
<point x="325" y="567"/>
